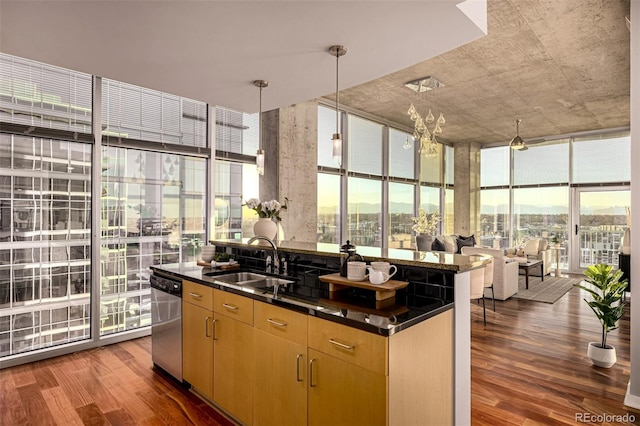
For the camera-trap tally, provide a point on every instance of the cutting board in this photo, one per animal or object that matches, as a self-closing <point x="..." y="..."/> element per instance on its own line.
<point x="222" y="267"/>
<point x="385" y="292"/>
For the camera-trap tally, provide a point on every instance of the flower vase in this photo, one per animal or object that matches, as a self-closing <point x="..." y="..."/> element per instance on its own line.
<point x="423" y="242"/>
<point x="265" y="227"/>
<point x="625" y="241"/>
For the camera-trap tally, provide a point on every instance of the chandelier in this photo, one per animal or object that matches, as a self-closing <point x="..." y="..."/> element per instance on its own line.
<point x="421" y="132"/>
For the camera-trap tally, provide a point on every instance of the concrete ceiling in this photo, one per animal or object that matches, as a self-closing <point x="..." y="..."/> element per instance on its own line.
<point x="213" y="50"/>
<point x="561" y="66"/>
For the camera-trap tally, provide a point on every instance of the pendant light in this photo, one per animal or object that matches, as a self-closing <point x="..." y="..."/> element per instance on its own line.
<point x="337" y="51"/>
<point x="517" y="143"/>
<point x="260" y="154"/>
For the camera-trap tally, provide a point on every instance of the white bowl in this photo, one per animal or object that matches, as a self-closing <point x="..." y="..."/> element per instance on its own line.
<point x="207" y="253"/>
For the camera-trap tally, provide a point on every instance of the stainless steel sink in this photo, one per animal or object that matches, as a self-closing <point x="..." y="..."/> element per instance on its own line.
<point x="269" y="282"/>
<point x="251" y="279"/>
<point x="239" y="278"/>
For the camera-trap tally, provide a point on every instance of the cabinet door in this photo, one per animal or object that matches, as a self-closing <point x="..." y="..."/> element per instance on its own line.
<point x="197" y="348"/>
<point x="341" y="393"/>
<point x="280" y="388"/>
<point x="233" y="367"/>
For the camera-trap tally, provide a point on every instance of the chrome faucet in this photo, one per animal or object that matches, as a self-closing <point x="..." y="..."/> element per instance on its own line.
<point x="276" y="260"/>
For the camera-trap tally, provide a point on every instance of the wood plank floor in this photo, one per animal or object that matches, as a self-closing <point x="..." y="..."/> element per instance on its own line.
<point x="112" y="385"/>
<point x="529" y="366"/>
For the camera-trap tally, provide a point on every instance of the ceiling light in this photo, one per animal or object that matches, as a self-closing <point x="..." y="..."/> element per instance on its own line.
<point x="337" y="51"/>
<point x="425" y="138"/>
<point x="423" y="84"/>
<point x="517" y="143"/>
<point x="260" y="154"/>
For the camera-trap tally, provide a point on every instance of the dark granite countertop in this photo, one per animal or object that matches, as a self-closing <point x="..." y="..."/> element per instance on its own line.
<point x="434" y="260"/>
<point x="354" y="313"/>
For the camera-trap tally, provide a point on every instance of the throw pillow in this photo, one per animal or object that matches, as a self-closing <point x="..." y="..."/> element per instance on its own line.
<point x="437" y="245"/>
<point x="531" y="247"/>
<point x="471" y="237"/>
<point x="450" y="243"/>
<point x="469" y="241"/>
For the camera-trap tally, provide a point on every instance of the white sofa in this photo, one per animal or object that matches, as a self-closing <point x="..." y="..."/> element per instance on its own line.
<point x="535" y="249"/>
<point x="505" y="272"/>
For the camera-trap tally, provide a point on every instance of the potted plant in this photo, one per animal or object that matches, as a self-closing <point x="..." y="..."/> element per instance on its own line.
<point x="606" y="290"/>
<point x="555" y="240"/>
<point x="424" y="225"/>
<point x="268" y="214"/>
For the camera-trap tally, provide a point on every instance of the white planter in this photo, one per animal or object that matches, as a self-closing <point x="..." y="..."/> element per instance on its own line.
<point x="265" y="227"/>
<point x="423" y="242"/>
<point x="625" y="241"/>
<point x="601" y="357"/>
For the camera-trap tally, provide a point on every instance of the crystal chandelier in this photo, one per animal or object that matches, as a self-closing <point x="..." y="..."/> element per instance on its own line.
<point x="421" y="132"/>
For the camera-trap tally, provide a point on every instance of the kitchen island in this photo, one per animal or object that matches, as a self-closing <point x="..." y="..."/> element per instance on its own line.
<point x="396" y="365"/>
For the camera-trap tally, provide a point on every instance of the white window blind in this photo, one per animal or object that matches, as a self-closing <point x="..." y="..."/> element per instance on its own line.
<point x="134" y="112"/>
<point x="43" y="98"/>
<point x="237" y="132"/>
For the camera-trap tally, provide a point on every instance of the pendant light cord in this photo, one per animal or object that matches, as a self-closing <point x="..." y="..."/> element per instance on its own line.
<point x="260" y="120"/>
<point x="337" y="93"/>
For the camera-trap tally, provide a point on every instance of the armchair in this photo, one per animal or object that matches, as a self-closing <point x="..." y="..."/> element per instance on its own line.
<point x="535" y="249"/>
<point x="505" y="272"/>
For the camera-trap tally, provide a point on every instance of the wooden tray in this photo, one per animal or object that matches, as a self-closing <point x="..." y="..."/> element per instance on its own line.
<point x="385" y="292"/>
<point x="222" y="268"/>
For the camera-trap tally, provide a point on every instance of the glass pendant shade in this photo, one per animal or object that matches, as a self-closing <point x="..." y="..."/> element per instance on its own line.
<point x="429" y="118"/>
<point x="337" y="147"/>
<point x="517" y="143"/>
<point x="260" y="161"/>
<point x="407" y="144"/>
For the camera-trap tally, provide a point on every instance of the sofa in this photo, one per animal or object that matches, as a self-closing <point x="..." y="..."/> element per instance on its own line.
<point x="534" y="249"/>
<point x="505" y="272"/>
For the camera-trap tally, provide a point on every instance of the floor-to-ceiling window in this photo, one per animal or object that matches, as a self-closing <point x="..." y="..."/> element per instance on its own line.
<point x="386" y="178"/>
<point x="495" y="229"/>
<point x="236" y="177"/>
<point x="600" y="175"/>
<point x="401" y="188"/>
<point x="151" y="209"/>
<point x="571" y="189"/>
<point x="329" y="202"/>
<point x="45" y="206"/>
<point x="153" y="203"/>
<point x="364" y="184"/>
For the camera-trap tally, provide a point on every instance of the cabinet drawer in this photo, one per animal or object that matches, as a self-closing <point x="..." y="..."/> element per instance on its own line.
<point x="197" y="294"/>
<point x="233" y="305"/>
<point x="358" y="347"/>
<point x="281" y="322"/>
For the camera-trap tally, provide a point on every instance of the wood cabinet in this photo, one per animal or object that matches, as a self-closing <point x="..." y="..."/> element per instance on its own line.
<point x="280" y="385"/>
<point x="346" y="364"/>
<point x="197" y="337"/>
<point x="233" y="355"/>
<point x="268" y="365"/>
<point x="341" y="393"/>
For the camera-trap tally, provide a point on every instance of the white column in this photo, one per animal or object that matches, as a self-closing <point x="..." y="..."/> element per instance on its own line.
<point x="462" y="350"/>
<point x="632" y="398"/>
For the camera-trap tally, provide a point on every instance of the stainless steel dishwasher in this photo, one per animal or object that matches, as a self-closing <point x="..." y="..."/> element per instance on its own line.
<point x="166" y="324"/>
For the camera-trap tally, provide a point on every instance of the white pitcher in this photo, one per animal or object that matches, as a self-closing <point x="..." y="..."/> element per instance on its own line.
<point x="377" y="277"/>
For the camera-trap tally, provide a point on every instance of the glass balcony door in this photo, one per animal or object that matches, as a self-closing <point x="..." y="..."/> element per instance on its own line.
<point x="599" y="221"/>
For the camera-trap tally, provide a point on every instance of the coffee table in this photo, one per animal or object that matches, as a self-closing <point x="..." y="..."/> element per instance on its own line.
<point x="527" y="266"/>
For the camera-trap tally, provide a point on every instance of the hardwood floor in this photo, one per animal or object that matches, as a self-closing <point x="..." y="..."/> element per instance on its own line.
<point x="529" y="366"/>
<point x="112" y="385"/>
